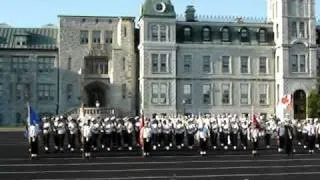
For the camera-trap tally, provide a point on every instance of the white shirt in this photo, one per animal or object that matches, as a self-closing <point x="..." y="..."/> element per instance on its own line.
<point x="61" y="128"/>
<point x="46" y="127"/>
<point x="86" y="132"/>
<point x="146" y="133"/>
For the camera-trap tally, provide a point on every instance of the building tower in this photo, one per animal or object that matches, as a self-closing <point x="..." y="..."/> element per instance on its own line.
<point x="295" y="52"/>
<point x="157" y="51"/>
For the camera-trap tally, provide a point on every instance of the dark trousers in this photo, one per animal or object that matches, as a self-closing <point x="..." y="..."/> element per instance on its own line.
<point x="86" y="145"/>
<point x="72" y="140"/>
<point x="94" y="140"/>
<point x="267" y="138"/>
<point x="244" y="139"/>
<point x="118" y="140"/>
<point x="305" y="139"/>
<point x="107" y="140"/>
<point x="61" y="141"/>
<point x="34" y="146"/>
<point x="179" y="139"/>
<point x="281" y="142"/>
<point x="114" y="138"/>
<point x="46" y="140"/>
<point x="130" y="139"/>
<point x="56" y="140"/>
<point x="190" y="139"/>
<point x="234" y="139"/>
<point x="154" y="139"/>
<point x="299" y="136"/>
<point x="203" y="144"/>
<point x="166" y="139"/>
<point x="213" y="138"/>
<point x="125" y="137"/>
<point x="146" y="146"/>
<point x="222" y="138"/>
<point x="137" y="138"/>
<point x="312" y="142"/>
<point x="288" y="146"/>
<point x="255" y="144"/>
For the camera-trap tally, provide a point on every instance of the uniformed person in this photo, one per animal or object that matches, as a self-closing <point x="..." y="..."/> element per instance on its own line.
<point x="234" y="128"/>
<point x="214" y="130"/>
<point x="166" y="133"/>
<point x="244" y="132"/>
<point x="61" y="133"/>
<point x="299" y="128"/>
<point x="108" y="129"/>
<point x="137" y="130"/>
<point x="154" y="133"/>
<point x="119" y="130"/>
<point x="203" y="135"/>
<point x="191" y="131"/>
<point x="33" y="141"/>
<point x="55" y="134"/>
<point x="129" y="131"/>
<point x="254" y="137"/>
<point x="288" y="138"/>
<point x="73" y="131"/>
<point x="281" y="136"/>
<point x="312" y="130"/>
<point x="179" y="134"/>
<point x="46" y="131"/>
<point x="305" y="136"/>
<point x="86" y="136"/>
<point x="146" y="138"/>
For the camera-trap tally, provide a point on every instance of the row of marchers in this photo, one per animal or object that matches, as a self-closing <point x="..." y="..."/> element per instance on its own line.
<point x="225" y="132"/>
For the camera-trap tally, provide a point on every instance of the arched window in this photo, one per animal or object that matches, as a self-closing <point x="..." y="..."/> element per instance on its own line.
<point x="244" y="35"/>
<point x="262" y="34"/>
<point x="206" y="34"/>
<point x="187" y="33"/>
<point x="225" y="34"/>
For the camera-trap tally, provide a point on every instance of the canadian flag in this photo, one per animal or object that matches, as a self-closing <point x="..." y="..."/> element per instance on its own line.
<point x="286" y="100"/>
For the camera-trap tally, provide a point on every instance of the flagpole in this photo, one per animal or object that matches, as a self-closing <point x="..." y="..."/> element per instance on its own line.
<point x="28" y="116"/>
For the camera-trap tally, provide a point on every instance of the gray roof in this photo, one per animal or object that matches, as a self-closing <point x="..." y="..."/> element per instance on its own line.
<point x="37" y="38"/>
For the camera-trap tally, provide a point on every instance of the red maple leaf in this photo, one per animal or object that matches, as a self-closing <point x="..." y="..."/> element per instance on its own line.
<point x="285" y="100"/>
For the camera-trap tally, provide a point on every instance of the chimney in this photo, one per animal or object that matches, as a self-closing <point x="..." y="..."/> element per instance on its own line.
<point x="190" y="13"/>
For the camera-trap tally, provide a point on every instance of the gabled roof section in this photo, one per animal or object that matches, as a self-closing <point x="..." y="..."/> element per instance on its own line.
<point x="150" y="8"/>
<point x="37" y="38"/>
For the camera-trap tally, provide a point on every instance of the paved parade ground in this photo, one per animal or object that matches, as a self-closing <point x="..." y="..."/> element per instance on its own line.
<point x="172" y="165"/>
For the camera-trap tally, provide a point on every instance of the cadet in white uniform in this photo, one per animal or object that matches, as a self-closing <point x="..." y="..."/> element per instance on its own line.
<point x="312" y="130"/>
<point x="33" y="140"/>
<point x="146" y="136"/>
<point x="61" y="133"/>
<point x="46" y="131"/>
<point x="108" y="128"/>
<point x="281" y="137"/>
<point x="254" y="137"/>
<point x="86" y="136"/>
<point x="179" y="134"/>
<point x="73" y="131"/>
<point x="203" y="135"/>
<point x="234" y="133"/>
<point x="129" y="131"/>
<point x="191" y="131"/>
<point x="244" y="132"/>
<point x="214" y="130"/>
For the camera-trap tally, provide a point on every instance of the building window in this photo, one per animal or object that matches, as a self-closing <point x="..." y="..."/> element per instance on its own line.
<point x="302" y="63"/>
<point x="244" y="94"/>
<point x="124" y="63"/>
<point x="45" y="92"/>
<point x="294" y="63"/>
<point x="263" y="94"/>
<point x="160" y="63"/>
<point x="124" y="91"/>
<point x="187" y="34"/>
<point x="124" y="31"/>
<point x="69" y="91"/>
<point x="20" y="63"/>
<point x="301" y="29"/>
<point x="96" y="37"/>
<point x="108" y="37"/>
<point x="301" y="8"/>
<point x="225" y="34"/>
<point x="84" y="37"/>
<point x="163" y="33"/>
<point x="294" y="29"/>
<point x="262" y="35"/>
<point x="154" y="32"/>
<point x="69" y="63"/>
<point x="97" y="66"/>
<point x="206" y="66"/>
<point x="187" y="63"/>
<point x="277" y="31"/>
<point x="206" y="94"/>
<point x="278" y="63"/>
<point x="244" y="35"/>
<point x="45" y="64"/>
<point x="226" y="67"/>
<point x="244" y="60"/>
<point x="226" y="94"/>
<point x="206" y="34"/>
<point x="20" y="40"/>
<point x="159" y="93"/>
<point x="187" y="93"/>
<point x="263" y="65"/>
<point x="19" y="92"/>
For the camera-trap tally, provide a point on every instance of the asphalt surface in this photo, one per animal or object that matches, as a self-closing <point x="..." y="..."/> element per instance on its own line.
<point x="172" y="165"/>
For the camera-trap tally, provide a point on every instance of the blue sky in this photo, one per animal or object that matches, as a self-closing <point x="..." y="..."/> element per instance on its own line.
<point x="35" y="13"/>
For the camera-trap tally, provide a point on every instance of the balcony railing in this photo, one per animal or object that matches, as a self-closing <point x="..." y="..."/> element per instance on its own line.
<point x="98" y="111"/>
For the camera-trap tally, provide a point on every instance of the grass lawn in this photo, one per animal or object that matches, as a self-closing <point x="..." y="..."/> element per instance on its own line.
<point x="12" y="128"/>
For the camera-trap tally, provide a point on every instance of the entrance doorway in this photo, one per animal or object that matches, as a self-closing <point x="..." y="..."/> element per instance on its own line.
<point x="299" y="104"/>
<point x="96" y="91"/>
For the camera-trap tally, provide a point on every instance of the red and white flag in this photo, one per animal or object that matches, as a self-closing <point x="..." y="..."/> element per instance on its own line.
<point x="286" y="100"/>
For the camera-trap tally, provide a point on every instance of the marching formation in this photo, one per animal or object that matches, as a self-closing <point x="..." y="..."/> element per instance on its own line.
<point x="226" y="132"/>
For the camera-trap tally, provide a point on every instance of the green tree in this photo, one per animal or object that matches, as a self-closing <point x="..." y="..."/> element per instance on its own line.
<point x="314" y="104"/>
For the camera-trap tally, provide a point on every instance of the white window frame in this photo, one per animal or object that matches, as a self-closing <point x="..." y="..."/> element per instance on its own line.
<point x="267" y="88"/>
<point x="210" y="94"/>
<point x="248" y="64"/>
<point x="230" y="64"/>
<point x="230" y="93"/>
<point x="267" y="65"/>
<point x="248" y="93"/>
<point x="159" y="62"/>
<point x="210" y="64"/>
<point x="159" y="93"/>
<point x="158" y="39"/>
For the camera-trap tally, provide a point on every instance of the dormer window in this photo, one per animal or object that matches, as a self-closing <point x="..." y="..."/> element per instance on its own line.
<point x="262" y="35"/>
<point x="225" y="34"/>
<point x="187" y="33"/>
<point x="206" y="34"/>
<point x="244" y="35"/>
<point x="21" y="40"/>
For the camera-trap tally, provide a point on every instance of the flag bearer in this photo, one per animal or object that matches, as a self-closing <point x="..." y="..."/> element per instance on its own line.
<point x="33" y="140"/>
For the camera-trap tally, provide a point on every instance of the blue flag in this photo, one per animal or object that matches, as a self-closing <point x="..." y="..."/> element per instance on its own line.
<point x="33" y="118"/>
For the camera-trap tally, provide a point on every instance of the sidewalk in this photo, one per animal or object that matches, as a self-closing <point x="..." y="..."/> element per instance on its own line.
<point x="12" y="128"/>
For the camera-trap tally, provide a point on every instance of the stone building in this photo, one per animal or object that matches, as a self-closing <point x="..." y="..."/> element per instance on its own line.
<point x="97" y="62"/>
<point x="28" y="72"/>
<point x="194" y="64"/>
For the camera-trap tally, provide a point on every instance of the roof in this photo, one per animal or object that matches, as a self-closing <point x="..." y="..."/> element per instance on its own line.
<point x="148" y="9"/>
<point x="38" y="38"/>
<point x="106" y="17"/>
